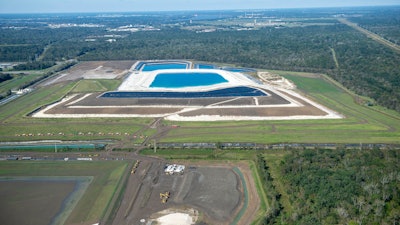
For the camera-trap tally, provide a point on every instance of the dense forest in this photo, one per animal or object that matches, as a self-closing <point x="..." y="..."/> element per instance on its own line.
<point x="363" y="65"/>
<point x="338" y="187"/>
<point x="382" y="22"/>
<point x="4" y="77"/>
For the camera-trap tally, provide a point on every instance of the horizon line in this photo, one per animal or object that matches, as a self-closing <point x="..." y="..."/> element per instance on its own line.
<point x="203" y="10"/>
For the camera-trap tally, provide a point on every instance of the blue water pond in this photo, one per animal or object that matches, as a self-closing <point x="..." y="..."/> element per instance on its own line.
<point x="186" y="79"/>
<point x="146" y="67"/>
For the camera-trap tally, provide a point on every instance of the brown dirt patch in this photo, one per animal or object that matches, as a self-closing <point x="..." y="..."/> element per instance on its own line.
<point x="214" y="190"/>
<point x="93" y="70"/>
<point x="270" y="106"/>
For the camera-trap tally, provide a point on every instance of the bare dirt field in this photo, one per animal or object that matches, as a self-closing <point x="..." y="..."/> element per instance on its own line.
<point x="273" y="106"/>
<point x="93" y="70"/>
<point x="32" y="202"/>
<point x="212" y="193"/>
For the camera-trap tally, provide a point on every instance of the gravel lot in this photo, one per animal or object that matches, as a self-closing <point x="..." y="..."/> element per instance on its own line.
<point x="216" y="192"/>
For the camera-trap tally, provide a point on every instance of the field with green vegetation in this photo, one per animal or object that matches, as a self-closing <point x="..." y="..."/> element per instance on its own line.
<point x="17" y="125"/>
<point x="98" y="198"/>
<point x="362" y="123"/>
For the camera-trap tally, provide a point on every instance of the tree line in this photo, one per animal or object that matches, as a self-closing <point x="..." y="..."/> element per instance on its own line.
<point x="274" y="205"/>
<point x="4" y="77"/>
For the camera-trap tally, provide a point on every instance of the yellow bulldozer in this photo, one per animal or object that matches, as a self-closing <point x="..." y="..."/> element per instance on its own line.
<point x="164" y="197"/>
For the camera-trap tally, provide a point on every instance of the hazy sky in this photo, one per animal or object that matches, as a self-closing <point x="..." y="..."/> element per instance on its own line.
<point x="40" y="6"/>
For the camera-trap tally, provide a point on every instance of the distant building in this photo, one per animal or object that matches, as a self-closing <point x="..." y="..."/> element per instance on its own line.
<point x="6" y="66"/>
<point x="22" y="91"/>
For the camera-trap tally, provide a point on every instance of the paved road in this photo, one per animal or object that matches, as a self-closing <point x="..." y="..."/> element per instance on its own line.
<point x="9" y="99"/>
<point x="371" y="35"/>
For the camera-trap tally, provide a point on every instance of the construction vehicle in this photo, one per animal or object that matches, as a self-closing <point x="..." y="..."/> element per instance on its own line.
<point x="135" y="167"/>
<point x="164" y="197"/>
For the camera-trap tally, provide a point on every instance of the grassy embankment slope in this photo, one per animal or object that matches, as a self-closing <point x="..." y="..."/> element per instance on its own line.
<point x="361" y="123"/>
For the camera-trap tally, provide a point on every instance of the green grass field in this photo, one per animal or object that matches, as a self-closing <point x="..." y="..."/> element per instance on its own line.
<point x="362" y="123"/>
<point x="14" y="121"/>
<point x="92" y="206"/>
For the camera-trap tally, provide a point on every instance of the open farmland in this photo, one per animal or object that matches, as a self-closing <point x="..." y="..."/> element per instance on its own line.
<point x="57" y="180"/>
